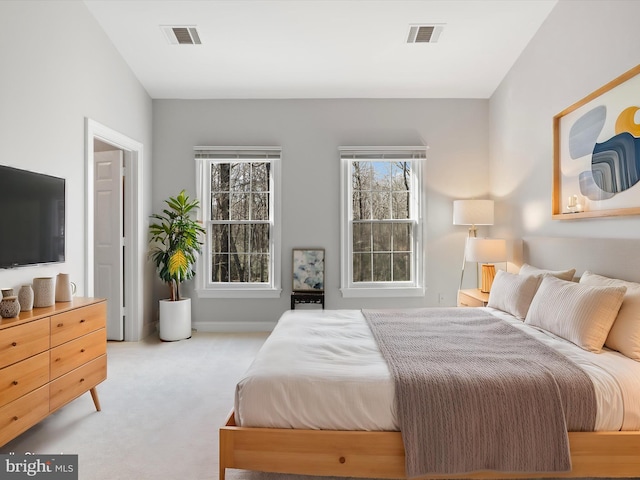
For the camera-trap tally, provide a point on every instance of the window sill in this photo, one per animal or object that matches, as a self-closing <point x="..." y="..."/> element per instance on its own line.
<point x="368" y="292"/>
<point x="239" y="293"/>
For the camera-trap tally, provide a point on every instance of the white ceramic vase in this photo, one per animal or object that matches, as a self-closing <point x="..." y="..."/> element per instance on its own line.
<point x="44" y="292"/>
<point x="64" y="288"/>
<point x="175" y="319"/>
<point x="25" y="298"/>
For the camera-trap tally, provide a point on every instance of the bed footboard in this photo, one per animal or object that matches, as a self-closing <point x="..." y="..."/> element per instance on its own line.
<point x="311" y="452"/>
<point x="381" y="454"/>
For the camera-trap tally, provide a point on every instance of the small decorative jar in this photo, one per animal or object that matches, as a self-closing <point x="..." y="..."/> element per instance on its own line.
<point x="64" y="288"/>
<point x="25" y="298"/>
<point x="7" y="292"/>
<point x="44" y="292"/>
<point x="9" y="307"/>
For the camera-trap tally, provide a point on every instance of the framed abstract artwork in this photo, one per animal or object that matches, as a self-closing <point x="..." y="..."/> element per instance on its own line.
<point x="308" y="270"/>
<point x="596" y="147"/>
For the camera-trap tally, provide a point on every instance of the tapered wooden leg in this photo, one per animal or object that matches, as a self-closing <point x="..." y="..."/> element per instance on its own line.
<point x="94" y="396"/>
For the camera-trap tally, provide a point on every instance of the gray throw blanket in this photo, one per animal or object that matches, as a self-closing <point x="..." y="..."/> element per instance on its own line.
<point x="475" y="393"/>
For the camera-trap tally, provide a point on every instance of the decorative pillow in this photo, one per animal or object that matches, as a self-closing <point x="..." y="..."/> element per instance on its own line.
<point x="561" y="274"/>
<point x="579" y="313"/>
<point x="625" y="332"/>
<point x="513" y="293"/>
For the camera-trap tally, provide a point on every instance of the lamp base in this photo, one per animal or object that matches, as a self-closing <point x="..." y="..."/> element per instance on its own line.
<point x="488" y="274"/>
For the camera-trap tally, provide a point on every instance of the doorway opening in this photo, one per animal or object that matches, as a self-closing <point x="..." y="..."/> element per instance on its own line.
<point x="114" y="258"/>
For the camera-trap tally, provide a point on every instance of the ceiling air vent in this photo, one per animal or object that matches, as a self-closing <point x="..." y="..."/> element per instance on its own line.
<point x="424" y="33"/>
<point x="183" y="35"/>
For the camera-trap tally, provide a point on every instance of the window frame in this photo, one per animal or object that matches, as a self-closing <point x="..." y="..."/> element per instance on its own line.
<point x="204" y="158"/>
<point x="415" y="286"/>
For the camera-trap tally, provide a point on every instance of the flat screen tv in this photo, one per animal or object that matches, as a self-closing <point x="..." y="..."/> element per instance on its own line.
<point x="32" y="218"/>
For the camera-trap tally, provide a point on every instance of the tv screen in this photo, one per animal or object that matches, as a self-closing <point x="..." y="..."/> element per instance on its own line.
<point x="32" y="215"/>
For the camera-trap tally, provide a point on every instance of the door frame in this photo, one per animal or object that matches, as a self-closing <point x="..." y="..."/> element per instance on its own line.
<point x="134" y="252"/>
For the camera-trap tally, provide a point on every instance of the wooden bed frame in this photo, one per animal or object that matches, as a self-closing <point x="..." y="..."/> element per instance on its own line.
<point x="381" y="454"/>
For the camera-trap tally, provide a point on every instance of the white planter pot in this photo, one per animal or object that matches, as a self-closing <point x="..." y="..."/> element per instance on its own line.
<point x="175" y="319"/>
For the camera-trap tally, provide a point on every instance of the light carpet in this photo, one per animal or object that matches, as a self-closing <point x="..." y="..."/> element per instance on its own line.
<point x="162" y="404"/>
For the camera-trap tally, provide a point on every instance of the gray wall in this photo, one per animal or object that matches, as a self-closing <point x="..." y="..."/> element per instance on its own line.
<point x="59" y="67"/>
<point x="310" y="132"/>
<point x="580" y="47"/>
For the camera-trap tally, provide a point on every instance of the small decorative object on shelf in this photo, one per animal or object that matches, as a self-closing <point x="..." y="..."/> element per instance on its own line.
<point x="7" y="292"/>
<point x="44" y="293"/>
<point x="573" y="206"/>
<point x="64" y="288"/>
<point x="9" y="307"/>
<point x="25" y="298"/>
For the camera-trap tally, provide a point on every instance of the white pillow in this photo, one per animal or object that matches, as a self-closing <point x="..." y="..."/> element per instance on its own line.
<point x="513" y="293"/>
<point x="579" y="313"/>
<point x="527" y="269"/>
<point x="625" y="332"/>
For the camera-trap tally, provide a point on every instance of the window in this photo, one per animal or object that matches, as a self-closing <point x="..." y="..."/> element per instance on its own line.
<point x="381" y="221"/>
<point x="239" y="199"/>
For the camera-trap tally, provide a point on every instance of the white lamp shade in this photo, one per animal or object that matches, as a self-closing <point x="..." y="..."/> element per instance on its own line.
<point x="473" y="212"/>
<point x="486" y="250"/>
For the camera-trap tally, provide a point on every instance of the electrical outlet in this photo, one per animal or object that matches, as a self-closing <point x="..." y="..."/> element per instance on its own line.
<point x="440" y="298"/>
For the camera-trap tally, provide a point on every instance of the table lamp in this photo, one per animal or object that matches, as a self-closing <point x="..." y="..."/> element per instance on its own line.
<point x="486" y="251"/>
<point x="471" y="212"/>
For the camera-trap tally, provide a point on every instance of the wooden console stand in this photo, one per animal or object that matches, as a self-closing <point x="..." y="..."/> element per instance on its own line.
<point x="48" y="357"/>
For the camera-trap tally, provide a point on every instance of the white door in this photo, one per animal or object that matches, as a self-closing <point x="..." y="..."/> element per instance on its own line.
<point x="109" y="238"/>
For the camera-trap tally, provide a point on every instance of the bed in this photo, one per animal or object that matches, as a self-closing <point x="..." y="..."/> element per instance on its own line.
<point x="354" y="445"/>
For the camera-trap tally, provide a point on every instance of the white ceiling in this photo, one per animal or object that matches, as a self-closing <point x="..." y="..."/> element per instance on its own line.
<point x="321" y="48"/>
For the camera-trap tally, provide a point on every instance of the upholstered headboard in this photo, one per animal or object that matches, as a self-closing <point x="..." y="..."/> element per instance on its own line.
<point x="612" y="257"/>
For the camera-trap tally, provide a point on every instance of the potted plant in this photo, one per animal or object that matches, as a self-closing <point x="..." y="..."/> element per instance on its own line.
<point x="175" y="243"/>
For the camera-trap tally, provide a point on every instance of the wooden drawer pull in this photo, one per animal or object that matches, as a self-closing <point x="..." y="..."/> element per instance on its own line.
<point x="82" y="321"/>
<point x="82" y="350"/>
<point x="60" y="325"/>
<point x="15" y="382"/>
<point x="15" y="344"/>
<point x="15" y="419"/>
<point x="81" y="380"/>
<point x="342" y="460"/>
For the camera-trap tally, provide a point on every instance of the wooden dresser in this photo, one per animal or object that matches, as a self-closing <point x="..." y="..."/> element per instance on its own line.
<point x="48" y="357"/>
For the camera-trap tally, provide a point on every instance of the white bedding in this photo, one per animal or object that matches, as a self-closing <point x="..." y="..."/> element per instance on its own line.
<point x="321" y="369"/>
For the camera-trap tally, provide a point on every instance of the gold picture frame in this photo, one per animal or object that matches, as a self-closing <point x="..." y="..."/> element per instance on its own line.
<point x="596" y="152"/>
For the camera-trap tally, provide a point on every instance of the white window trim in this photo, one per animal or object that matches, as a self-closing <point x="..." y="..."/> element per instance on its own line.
<point x="205" y="289"/>
<point x="351" y="289"/>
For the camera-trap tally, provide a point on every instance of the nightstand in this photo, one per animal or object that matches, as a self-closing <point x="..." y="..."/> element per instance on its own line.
<point x="472" y="298"/>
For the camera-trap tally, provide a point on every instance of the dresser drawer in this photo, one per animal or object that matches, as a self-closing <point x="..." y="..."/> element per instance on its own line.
<point x="77" y="382"/>
<point x="77" y="352"/>
<point x="23" y="341"/>
<point x="26" y="411"/>
<point x="75" y="323"/>
<point x="22" y="377"/>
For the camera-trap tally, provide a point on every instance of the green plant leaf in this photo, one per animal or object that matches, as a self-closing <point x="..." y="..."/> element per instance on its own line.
<point x="175" y="241"/>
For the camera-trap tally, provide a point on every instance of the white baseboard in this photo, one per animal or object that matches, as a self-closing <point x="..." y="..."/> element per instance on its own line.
<point x="234" y="327"/>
